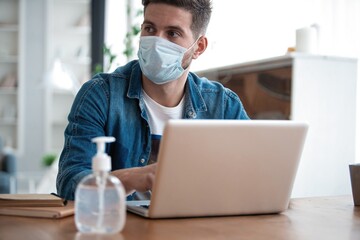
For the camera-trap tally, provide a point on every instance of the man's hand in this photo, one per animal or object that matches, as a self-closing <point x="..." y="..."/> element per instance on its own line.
<point x="139" y="179"/>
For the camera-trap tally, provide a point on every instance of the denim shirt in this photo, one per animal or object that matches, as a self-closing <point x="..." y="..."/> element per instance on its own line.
<point x="111" y="104"/>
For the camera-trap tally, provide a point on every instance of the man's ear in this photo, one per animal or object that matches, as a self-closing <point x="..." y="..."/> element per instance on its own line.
<point x="201" y="47"/>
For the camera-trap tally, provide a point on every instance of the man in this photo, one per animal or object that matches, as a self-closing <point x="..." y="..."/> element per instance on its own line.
<point x="134" y="102"/>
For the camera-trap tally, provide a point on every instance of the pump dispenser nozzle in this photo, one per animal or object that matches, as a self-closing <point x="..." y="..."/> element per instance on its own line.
<point x="101" y="161"/>
<point x="100" y="195"/>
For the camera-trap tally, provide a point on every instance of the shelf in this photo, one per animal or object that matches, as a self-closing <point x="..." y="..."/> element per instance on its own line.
<point x="10" y="53"/>
<point x="8" y="122"/>
<point x="62" y="92"/>
<point x="78" y="61"/>
<point x="82" y="30"/>
<point x="8" y="90"/>
<point x="74" y="30"/>
<point x="76" y="1"/>
<point x="8" y="59"/>
<point x="4" y="27"/>
<point x="9" y="13"/>
<point x="59" y="123"/>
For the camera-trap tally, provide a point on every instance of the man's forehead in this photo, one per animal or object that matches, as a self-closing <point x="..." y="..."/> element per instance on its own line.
<point x="168" y="16"/>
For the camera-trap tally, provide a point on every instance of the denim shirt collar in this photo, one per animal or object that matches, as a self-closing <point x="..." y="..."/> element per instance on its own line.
<point x="135" y="85"/>
<point x="194" y="101"/>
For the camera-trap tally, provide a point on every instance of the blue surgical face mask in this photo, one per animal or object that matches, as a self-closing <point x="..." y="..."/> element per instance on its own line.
<point x="160" y="60"/>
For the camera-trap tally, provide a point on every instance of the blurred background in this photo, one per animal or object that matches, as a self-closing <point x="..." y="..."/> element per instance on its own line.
<point x="49" y="48"/>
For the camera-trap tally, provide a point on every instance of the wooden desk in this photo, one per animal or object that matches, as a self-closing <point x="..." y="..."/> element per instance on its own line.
<point x="308" y="218"/>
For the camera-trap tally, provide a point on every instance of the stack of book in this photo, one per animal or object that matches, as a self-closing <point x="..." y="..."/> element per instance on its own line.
<point x="35" y="205"/>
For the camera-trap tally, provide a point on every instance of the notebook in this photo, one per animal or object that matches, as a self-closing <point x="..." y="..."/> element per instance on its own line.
<point x="54" y="212"/>
<point x="224" y="167"/>
<point x="31" y="200"/>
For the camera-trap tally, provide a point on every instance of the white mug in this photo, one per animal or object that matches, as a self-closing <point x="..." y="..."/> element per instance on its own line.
<point x="307" y="39"/>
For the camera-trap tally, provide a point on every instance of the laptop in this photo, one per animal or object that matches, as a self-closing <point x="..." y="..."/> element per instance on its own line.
<point x="224" y="167"/>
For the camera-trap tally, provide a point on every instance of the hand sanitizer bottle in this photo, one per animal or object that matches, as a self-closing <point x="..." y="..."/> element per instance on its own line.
<point x="100" y="197"/>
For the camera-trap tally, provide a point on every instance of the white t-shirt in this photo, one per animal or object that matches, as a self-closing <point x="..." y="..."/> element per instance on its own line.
<point x="158" y="115"/>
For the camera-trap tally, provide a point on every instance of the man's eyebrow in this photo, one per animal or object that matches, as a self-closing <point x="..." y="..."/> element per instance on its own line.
<point x="172" y="27"/>
<point x="178" y="28"/>
<point x="148" y="22"/>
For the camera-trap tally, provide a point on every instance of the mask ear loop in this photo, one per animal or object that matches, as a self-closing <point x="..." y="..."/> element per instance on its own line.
<point x="192" y="45"/>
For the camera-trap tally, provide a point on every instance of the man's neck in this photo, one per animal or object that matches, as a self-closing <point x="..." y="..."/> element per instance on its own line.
<point x="168" y="94"/>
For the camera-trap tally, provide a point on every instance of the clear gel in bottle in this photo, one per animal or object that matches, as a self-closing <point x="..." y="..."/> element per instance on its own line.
<point x="100" y="197"/>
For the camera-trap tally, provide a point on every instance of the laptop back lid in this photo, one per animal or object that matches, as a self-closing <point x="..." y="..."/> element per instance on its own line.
<point x="226" y="167"/>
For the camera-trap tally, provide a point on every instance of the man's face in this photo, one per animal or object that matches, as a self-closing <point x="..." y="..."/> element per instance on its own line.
<point x="170" y="23"/>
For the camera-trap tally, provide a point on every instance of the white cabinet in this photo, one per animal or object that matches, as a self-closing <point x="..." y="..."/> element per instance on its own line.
<point x="320" y="90"/>
<point x="68" y="63"/>
<point x="10" y="74"/>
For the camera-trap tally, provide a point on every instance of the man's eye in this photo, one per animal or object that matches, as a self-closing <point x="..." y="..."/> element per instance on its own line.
<point x="149" y="29"/>
<point x="173" y="34"/>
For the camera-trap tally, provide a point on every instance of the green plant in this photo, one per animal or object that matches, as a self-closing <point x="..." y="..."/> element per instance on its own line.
<point x="109" y="58"/>
<point x="134" y="30"/>
<point x="129" y="52"/>
<point x="48" y="159"/>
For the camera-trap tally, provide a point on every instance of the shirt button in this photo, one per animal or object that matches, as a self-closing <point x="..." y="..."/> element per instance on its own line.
<point x="192" y="114"/>
<point x="142" y="161"/>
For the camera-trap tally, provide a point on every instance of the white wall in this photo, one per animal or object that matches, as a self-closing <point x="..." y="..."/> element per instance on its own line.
<point x="242" y="30"/>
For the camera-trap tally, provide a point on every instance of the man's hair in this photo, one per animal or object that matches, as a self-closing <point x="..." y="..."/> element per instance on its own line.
<point x="199" y="9"/>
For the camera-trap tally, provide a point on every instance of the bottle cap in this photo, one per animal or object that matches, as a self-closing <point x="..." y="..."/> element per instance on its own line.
<point x="101" y="161"/>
